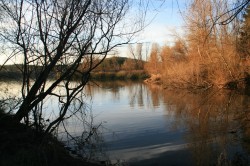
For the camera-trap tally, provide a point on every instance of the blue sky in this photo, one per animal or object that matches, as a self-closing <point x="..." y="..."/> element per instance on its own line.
<point x="165" y="19"/>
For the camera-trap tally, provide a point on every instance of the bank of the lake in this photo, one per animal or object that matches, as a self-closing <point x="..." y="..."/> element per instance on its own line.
<point x="242" y="84"/>
<point x="21" y="145"/>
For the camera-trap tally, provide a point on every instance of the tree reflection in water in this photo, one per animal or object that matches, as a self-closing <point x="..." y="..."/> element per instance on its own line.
<point x="214" y="119"/>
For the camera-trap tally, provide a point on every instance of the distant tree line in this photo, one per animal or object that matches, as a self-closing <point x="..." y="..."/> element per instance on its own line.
<point x="119" y="63"/>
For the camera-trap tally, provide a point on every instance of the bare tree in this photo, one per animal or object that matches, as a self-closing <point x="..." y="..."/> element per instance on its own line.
<point x="139" y="53"/>
<point x="136" y="52"/>
<point x="153" y="62"/>
<point x="214" y="45"/>
<point x="55" y="37"/>
<point x="234" y="12"/>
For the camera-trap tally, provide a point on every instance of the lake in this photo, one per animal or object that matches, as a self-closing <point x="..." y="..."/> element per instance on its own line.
<point x="147" y="125"/>
<point x="142" y="124"/>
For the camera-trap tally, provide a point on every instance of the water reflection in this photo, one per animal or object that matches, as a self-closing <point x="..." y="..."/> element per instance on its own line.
<point x="203" y="128"/>
<point x="148" y="125"/>
<point x="209" y="118"/>
<point x="137" y="93"/>
<point x="213" y="120"/>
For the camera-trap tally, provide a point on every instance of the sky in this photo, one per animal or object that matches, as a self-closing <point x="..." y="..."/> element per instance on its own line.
<point x="164" y="20"/>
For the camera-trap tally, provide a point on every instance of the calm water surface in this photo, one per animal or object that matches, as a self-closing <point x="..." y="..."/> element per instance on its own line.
<point x="147" y="125"/>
